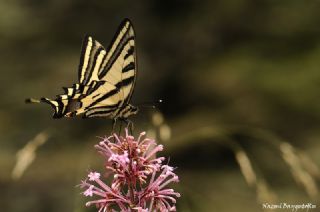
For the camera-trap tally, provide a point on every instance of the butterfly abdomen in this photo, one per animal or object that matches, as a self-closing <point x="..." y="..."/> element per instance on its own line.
<point x="126" y="111"/>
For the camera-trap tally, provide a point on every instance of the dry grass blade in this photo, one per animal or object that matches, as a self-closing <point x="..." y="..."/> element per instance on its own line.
<point x="300" y="174"/>
<point x="303" y="169"/>
<point x="308" y="164"/>
<point x="219" y="136"/>
<point x="264" y="193"/>
<point x="246" y="167"/>
<point x="27" y="154"/>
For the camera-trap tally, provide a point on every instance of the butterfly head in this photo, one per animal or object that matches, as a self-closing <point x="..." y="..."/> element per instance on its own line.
<point x="134" y="109"/>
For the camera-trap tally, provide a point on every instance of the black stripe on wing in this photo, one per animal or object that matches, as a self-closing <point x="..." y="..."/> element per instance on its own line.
<point x="92" y="61"/>
<point x="129" y="67"/>
<point x="86" y="51"/>
<point x="129" y="52"/>
<point x="101" y="111"/>
<point x="105" y="96"/>
<point x="125" y="82"/>
<point x="82" y="55"/>
<point x="94" y="86"/>
<point x="115" y="56"/>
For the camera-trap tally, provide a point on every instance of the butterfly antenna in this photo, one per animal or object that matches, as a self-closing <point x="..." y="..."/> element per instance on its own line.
<point x="152" y="105"/>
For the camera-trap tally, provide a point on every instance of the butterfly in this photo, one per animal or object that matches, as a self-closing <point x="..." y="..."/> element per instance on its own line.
<point x="106" y="77"/>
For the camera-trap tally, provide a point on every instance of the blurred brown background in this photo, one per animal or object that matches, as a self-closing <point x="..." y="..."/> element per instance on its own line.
<point x="240" y="82"/>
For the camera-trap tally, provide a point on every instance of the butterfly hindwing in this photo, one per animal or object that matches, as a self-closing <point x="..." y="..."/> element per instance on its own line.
<point x="92" y="53"/>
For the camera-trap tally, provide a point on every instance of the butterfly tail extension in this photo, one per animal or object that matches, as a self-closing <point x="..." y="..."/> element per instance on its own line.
<point x="32" y="100"/>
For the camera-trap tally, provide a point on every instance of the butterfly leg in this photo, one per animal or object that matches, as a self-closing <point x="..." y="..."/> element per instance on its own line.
<point x="120" y="127"/>
<point x="129" y="125"/>
<point x="114" y="122"/>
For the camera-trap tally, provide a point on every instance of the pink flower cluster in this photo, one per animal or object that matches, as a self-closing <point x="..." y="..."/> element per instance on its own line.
<point x="139" y="178"/>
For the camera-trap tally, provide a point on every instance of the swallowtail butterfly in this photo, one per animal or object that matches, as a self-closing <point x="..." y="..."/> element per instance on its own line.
<point x="106" y="80"/>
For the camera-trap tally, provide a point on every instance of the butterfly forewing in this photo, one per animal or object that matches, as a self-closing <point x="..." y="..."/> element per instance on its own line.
<point x="120" y="63"/>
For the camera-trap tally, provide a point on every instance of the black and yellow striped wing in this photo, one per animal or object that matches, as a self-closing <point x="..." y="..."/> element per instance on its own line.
<point x="106" y="79"/>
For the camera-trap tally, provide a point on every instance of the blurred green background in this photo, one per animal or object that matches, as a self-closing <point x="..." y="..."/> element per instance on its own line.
<point x="240" y="82"/>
